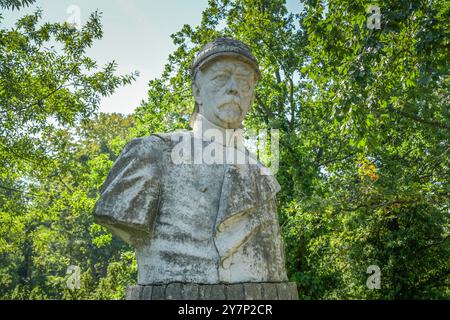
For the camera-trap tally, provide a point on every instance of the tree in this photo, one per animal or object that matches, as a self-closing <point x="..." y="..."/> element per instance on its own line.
<point x="54" y="156"/>
<point x="55" y="228"/>
<point x="43" y="90"/>
<point x="381" y="92"/>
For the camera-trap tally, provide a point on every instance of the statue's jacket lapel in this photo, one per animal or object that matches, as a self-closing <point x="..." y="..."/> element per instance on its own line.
<point x="246" y="212"/>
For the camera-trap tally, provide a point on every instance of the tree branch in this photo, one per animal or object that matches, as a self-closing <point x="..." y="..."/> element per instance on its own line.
<point x="420" y="120"/>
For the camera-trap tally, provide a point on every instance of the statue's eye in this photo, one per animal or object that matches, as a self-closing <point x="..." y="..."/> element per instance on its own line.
<point x="244" y="83"/>
<point x="220" y="78"/>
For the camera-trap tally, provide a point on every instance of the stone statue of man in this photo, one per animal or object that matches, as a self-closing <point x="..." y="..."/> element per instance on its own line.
<point x="195" y="214"/>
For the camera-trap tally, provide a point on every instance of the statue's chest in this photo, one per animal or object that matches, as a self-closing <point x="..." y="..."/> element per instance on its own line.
<point x="190" y="197"/>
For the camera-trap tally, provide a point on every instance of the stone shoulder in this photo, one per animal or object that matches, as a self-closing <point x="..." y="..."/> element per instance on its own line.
<point x="171" y="138"/>
<point x="152" y="148"/>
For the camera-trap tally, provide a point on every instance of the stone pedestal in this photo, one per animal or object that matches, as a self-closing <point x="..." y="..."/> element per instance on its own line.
<point x="235" y="291"/>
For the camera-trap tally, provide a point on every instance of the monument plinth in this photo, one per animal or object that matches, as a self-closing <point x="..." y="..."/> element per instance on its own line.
<point x="198" y="208"/>
<point x="230" y="291"/>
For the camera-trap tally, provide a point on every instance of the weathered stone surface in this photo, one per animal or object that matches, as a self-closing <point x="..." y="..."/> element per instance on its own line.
<point x="190" y="291"/>
<point x="224" y="47"/>
<point x="158" y="292"/>
<point x="173" y="291"/>
<point x="269" y="291"/>
<point x="146" y="293"/>
<point x="287" y="291"/>
<point x="196" y="205"/>
<point x="217" y="292"/>
<point x="252" y="291"/>
<point x="212" y="292"/>
<point x="204" y="292"/>
<point x="236" y="291"/>
<point x="282" y="290"/>
<point x="133" y="292"/>
<point x="292" y="289"/>
<point x="191" y="236"/>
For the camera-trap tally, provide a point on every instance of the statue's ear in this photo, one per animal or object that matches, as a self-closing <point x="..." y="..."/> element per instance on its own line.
<point x="196" y="93"/>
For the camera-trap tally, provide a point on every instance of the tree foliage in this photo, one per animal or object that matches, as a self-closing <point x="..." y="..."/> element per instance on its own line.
<point x="54" y="153"/>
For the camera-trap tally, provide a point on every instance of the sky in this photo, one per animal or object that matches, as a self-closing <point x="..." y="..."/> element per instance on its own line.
<point x="136" y="36"/>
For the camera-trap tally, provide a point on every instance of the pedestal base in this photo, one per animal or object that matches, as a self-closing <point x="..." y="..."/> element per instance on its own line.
<point x="235" y="291"/>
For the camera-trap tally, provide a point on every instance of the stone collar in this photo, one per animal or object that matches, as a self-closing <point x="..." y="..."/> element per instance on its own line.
<point x="208" y="131"/>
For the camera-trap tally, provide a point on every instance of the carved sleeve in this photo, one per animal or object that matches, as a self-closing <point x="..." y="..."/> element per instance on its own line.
<point x="129" y="197"/>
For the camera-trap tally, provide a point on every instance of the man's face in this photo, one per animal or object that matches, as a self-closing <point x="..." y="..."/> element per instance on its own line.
<point x="224" y="89"/>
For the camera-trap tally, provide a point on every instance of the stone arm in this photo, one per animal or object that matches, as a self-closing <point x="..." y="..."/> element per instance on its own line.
<point x="129" y="198"/>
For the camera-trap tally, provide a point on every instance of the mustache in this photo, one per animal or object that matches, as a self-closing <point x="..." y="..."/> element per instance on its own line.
<point x="235" y="101"/>
<point x="236" y="106"/>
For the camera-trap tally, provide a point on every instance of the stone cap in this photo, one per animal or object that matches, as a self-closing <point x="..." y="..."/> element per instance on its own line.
<point x="224" y="47"/>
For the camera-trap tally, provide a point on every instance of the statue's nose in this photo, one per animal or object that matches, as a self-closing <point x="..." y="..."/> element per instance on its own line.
<point x="232" y="87"/>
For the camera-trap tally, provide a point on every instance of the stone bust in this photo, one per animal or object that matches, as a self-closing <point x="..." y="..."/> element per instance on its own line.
<point x="191" y="221"/>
